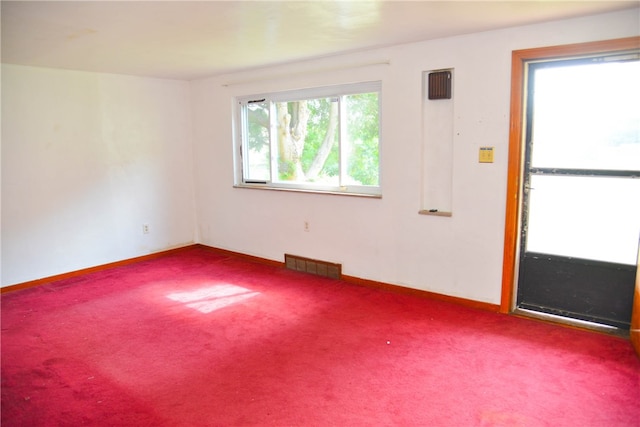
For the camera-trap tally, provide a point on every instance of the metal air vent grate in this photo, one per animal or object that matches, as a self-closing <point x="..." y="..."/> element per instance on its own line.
<point x="313" y="266"/>
<point x="440" y="85"/>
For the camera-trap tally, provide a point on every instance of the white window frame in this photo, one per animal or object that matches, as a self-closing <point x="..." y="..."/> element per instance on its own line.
<point x="240" y="117"/>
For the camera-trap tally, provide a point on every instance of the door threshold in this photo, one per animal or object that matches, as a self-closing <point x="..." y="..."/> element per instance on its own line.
<point x="582" y="324"/>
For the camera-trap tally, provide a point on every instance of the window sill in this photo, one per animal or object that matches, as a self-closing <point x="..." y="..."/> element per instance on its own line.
<point x="308" y="190"/>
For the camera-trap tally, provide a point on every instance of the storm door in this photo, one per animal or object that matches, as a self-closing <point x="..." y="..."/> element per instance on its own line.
<point x="581" y="189"/>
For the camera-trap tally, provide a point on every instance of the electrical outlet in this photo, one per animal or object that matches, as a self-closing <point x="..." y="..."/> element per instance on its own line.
<point x="306" y="226"/>
<point x="145" y="228"/>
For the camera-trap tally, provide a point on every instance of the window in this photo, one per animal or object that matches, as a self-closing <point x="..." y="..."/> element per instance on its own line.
<point x="322" y="139"/>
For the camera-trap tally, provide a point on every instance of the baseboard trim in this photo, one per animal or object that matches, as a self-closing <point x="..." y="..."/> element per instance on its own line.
<point x="371" y="283"/>
<point x="75" y="273"/>
<point x="348" y="279"/>
<point x="479" y="305"/>
<point x="241" y="255"/>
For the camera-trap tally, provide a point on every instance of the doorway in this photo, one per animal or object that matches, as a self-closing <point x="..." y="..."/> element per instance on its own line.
<point x="577" y="219"/>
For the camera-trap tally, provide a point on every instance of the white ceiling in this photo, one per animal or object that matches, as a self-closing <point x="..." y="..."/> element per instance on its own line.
<point x="192" y="39"/>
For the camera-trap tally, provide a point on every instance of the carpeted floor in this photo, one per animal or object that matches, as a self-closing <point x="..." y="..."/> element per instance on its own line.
<point x="201" y="339"/>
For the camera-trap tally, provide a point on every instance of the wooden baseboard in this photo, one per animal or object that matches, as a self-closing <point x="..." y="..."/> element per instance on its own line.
<point x="421" y="293"/>
<point x="241" y="255"/>
<point x="348" y="279"/>
<point x="94" y="269"/>
<point x="372" y="283"/>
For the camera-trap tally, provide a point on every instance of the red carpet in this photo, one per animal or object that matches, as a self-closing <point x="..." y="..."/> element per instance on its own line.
<point x="200" y="339"/>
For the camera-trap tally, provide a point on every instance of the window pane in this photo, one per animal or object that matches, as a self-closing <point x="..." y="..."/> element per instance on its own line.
<point x="307" y="138"/>
<point x="585" y="217"/>
<point x="293" y="140"/>
<point x="360" y="150"/>
<point x="587" y="116"/>
<point x="257" y="158"/>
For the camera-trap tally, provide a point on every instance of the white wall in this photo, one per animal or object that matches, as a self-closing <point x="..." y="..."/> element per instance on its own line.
<point x="385" y="239"/>
<point x="87" y="159"/>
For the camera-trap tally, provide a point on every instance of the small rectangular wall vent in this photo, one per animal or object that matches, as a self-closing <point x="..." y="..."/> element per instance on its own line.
<point x="440" y="85"/>
<point x="313" y="266"/>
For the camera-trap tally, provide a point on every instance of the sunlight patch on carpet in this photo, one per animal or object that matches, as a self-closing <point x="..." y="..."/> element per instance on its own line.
<point x="212" y="298"/>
